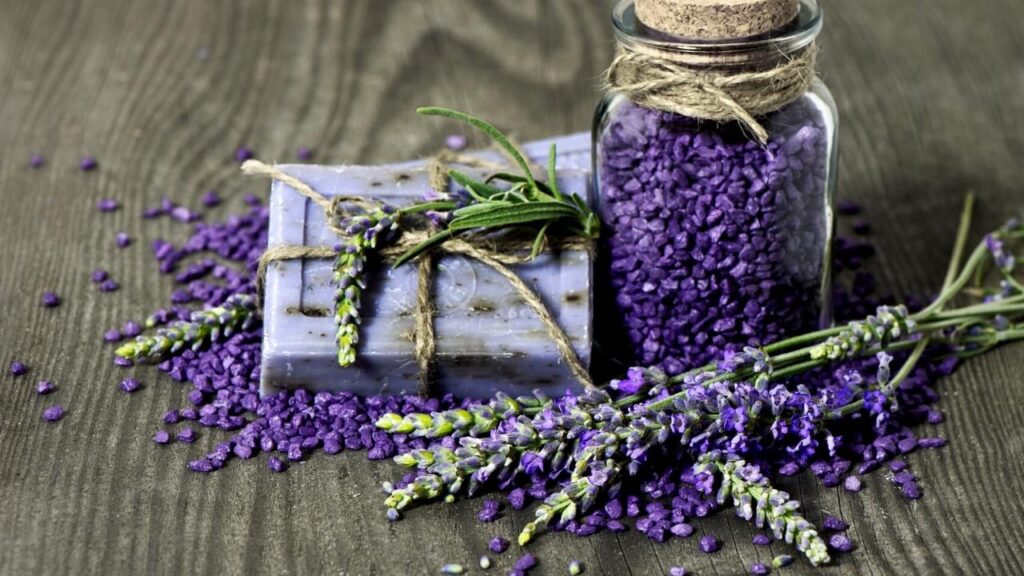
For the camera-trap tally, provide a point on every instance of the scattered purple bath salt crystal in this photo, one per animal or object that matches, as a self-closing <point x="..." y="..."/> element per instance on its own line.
<point x="109" y="285"/>
<point x="129" y="385"/>
<point x="759" y="569"/>
<point x="677" y="571"/>
<point x="936" y="442"/>
<point x="276" y="464"/>
<point x="45" y="387"/>
<point x="182" y="214"/>
<point x="833" y="524"/>
<point x="840" y="543"/>
<point x="710" y="544"/>
<point x="53" y="413"/>
<point x="107" y="205"/>
<point x="489" y="512"/>
<point x="112" y="335"/>
<point x="50" y="299"/>
<point x="210" y="198"/>
<point x="455" y="142"/>
<point x="861" y="227"/>
<point x="99" y="275"/>
<point x="911" y="491"/>
<point x="681" y="530"/>
<point x="853" y="483"/>
<point x="762" y="540"/>
<point x="151" y="213"/>
<point x="304" y="153"/>
<point x="698" y="263"/>
<point x="18" y="368"/>
<point x="243" y="153"/>
<point x="525" y="562"/>
<point x="187" y="435"/>
<point x="898" y="465"/>
<point x="202" y="465"/>
<point x="162" y="437"/>
<point x="122" y="362"/>
<point x="498" y="545"/>
<point x="789" y="469"/>
<point x="88" y="164"/>
<point x="37" y="161"/>
<point x="131" y="329"/>
<point x="122" y="240"/>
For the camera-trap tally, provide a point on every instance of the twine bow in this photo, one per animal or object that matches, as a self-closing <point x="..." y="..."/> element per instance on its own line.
<point x="487" y="252"/>
<point x="664" y="81"/>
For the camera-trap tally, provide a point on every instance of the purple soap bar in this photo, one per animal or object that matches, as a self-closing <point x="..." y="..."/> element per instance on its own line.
<point x="487" y="338"/>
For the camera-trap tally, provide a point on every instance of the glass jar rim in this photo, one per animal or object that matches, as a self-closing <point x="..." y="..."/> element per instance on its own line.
<point x="798" y="34"/>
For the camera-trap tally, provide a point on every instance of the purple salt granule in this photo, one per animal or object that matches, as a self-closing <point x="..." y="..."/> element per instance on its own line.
<point x="88" y="164"/>
<point x="37" y="161"/>
<point x="710" y="544"/>
<point x="713" y="240"/>
<point x="122" y="240"/>
<point x="525" y="562"/>
<point x="187" y="435"/>
<point x="129" y="385"/>
<point x="848" y="207"/>
<point x="681" y="530"/>
<point x="833" y="524"/>
<point x="45" y="387"/>
<point x="201" y="465"/>
<point x="762" y="540"/>
<point x="853" y="484"/>
<point x="108" y="285"/>
<point x="677" y="571"/>
<point x="150" y="213"/>
<point x="276" y="464"/>
<point x="112" y="335"/>
<point x="107" y="205"/>
<point x="243" y="153"/>
<point x="928" y="443"/>
<point x="898" y="465"/>
<point x="210" y="198"/>
<point x="53" y="413"/>
<point x="162" y="437"/>
<point x="498" y="545"/>
<point x="489" y="512"/>
<point x="99" y="275"/>
<point x="131" y="329"/>
<point x="18" y="368"/>
<point x="304" y="153"/>
<point x="759" y="569"/>
<point x="840" y="543"/>
<point x="50" y="299"/>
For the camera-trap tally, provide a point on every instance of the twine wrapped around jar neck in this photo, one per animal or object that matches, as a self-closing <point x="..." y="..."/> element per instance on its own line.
<point x="669" y="81"/>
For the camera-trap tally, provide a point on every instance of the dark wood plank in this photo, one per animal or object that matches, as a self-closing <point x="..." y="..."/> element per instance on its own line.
<point x="929" y="95"/>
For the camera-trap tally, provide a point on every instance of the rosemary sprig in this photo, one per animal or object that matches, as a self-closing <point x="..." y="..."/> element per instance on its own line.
<point x="525" y="202"/>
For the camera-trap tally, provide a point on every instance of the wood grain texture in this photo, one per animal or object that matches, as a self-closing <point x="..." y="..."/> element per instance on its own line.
<point x="930" y="95"/>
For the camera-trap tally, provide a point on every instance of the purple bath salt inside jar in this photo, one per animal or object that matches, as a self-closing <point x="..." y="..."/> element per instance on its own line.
<point x="715" y="238"/>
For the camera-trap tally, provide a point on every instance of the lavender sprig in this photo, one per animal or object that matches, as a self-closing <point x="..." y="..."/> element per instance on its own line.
<point x="361" y="236"/>
<point x="205" y="326"/>
<point x="756" y="501"/>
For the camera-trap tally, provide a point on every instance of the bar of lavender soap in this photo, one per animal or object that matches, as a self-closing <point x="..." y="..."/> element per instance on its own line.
<point x="487" y="338"/>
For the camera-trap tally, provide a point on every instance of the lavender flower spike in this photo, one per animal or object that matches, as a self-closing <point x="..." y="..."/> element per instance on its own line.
<point x="755" y="500"/>
<point x="362" y="234"/>
<point x="238" y="312"/>
<point x="888" y="323"/>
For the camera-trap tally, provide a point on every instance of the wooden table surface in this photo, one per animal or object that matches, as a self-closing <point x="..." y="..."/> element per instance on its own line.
<point x="930" y="93"/>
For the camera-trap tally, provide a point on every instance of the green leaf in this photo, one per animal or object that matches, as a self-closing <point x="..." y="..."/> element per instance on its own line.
<point x="438" y="206"/>
<point x="538" y="242"/>
<point x="512" y="215"/>
<point x="553" y="173"/>
<point x="495" y="134"/>
<point x="482" y="208"/>
<point x="435" y="240"/>
<point x="483" y="188"/>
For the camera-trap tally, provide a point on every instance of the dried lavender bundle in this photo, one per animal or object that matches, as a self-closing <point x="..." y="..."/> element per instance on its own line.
<point x="720" y="413"/>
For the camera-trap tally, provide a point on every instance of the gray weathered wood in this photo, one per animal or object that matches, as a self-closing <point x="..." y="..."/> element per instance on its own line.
<point x="930" y="98"/>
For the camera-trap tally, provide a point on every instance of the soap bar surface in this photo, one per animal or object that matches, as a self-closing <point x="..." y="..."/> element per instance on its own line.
<point x="487" y="338"/>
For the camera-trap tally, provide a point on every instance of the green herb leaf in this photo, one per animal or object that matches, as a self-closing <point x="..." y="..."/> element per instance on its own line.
<point x="438" y="206"/>
<point x="512" y="215"/>
<point x="482" y="188"/>
<point x="483" y="208"/>
<point x="538" y="242"/>
<point x="553" y="173"/>
<point x="485" y="127"/>
<point x="435" y="240"/>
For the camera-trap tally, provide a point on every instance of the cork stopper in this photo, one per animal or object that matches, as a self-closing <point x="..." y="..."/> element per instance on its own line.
<point x="716" y="19"/>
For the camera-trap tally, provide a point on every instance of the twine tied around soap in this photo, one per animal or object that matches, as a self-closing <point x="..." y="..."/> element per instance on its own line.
<point x="498" y="254"/>
<point x="664" y="80"/>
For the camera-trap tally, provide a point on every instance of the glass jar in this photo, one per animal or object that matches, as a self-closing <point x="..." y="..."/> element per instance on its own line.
<point x="714" y="240"/>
